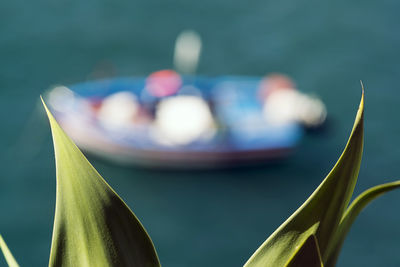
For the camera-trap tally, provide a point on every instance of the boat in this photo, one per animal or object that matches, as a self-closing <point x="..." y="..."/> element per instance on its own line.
<point x="170" y="120"/>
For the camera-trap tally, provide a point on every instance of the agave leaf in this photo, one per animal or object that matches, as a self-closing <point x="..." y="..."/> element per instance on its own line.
<point x="324" y="208"/>
<point x="7" y="254"/>
<point x="351" y="214"/>
<point x="307" y="255"/>
<point x="92" y="225"/>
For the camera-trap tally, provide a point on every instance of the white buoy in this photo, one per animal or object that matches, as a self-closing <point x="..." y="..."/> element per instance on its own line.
<point x="118" y="110"/>
<point x="181" y="120"/>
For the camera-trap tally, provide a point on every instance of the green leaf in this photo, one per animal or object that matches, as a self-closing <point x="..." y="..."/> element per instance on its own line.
<point x="7" y="254"/>
<point x="92" y="225"/>
<point x="351" y="214"/>
<point x="322" y="211"/>
<point x="307" y="255"/>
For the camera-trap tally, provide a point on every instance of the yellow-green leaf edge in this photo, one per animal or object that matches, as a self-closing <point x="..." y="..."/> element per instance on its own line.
<point x="7" y="254"/>
<point x="307" y="254"/>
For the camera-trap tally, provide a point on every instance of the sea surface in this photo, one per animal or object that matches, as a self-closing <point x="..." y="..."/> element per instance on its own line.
<point x="204" y="218"/>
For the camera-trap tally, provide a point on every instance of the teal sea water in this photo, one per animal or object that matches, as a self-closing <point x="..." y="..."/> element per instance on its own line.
<point x="204" y="218"/>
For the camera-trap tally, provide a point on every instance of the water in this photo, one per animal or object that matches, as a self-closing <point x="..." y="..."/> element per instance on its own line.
<point x="212" y="218"/>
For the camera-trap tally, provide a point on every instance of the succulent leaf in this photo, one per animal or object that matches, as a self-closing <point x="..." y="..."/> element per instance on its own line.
<point x="351" y="214"/>
<point x="322" y="211"/>
<point x="92" y="225"/>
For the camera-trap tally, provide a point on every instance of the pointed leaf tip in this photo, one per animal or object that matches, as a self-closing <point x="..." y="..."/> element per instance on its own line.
<point x="362" y="87"/>
<point x="92" y="225"/>
<point x="321" y="213"/>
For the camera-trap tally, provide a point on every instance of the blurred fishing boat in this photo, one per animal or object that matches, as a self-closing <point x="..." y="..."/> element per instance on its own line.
<point x="169" y="120"/>
<point x="181" y="120"/>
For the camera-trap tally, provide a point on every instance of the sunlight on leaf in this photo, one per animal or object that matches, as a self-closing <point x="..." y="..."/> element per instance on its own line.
<point x="322" y="211"/>
<point x="307" y="255"/>
<point x="92" y="225"/>
<point x="7" y="254"/>
<point x="351" y="214"/>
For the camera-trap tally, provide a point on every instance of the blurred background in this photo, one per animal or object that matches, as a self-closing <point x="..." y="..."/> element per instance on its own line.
<point x="215" y="217"/>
